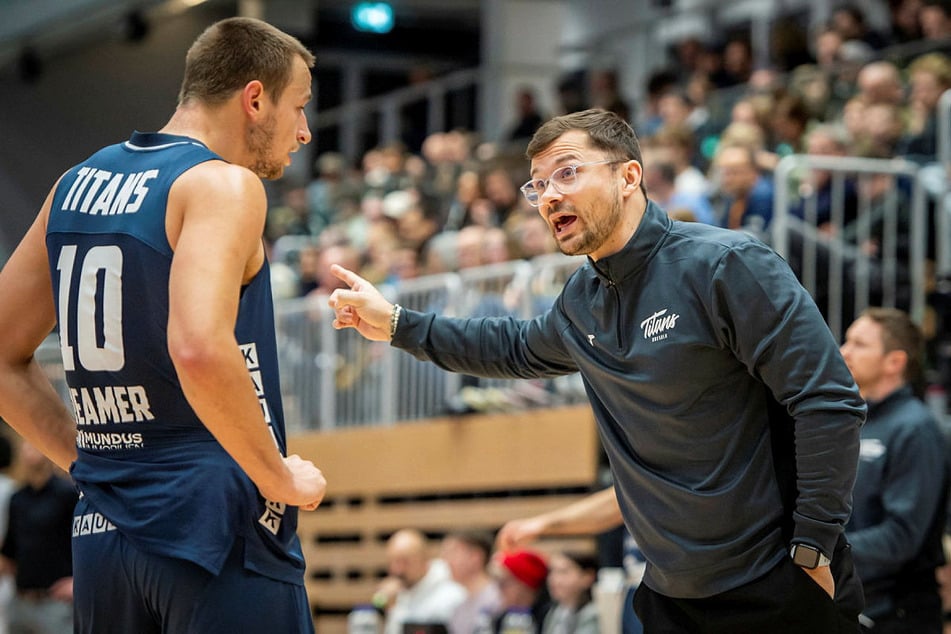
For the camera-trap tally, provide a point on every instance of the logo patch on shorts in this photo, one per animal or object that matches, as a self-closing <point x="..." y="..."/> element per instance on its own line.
<point x="90" y="524"/>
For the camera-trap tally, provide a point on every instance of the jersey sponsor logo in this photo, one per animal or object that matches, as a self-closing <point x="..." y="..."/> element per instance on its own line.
<point x="274" y="511"/>
<point x="273" y="516"/>
<point x="91" y="524"/>
<point x="657" y="327"/>
<point x="111" y="404"/>
<point x="100" y="192"/>
<point x="95" y="440"/>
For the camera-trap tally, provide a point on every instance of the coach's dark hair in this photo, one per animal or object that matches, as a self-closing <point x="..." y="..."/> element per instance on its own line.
<point x="235" y="51"/>
<point x="606" y="130"/>
<point x="899" y="332"/>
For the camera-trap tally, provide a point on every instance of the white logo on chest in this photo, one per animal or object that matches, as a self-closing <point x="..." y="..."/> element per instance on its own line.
<point x="658" y="326"/>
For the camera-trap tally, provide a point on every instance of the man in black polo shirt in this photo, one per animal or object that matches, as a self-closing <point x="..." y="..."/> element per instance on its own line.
<point x="37" y="547"/>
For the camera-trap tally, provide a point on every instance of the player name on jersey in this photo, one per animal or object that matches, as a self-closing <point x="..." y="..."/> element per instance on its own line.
<point x="111" y="404"/>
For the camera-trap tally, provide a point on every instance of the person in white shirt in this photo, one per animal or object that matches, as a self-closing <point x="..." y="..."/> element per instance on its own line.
<point x="417" y="589"/>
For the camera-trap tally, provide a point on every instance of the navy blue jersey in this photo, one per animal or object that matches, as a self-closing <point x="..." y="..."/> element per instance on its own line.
<point x="146" y="462"/>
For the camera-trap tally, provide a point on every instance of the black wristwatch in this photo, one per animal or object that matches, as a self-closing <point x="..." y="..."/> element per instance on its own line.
<point x="807" y="556"/>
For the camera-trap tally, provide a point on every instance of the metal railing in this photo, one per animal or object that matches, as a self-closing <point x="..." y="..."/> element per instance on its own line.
<point x="338" y="379"/>
<point x="868" y="243"/>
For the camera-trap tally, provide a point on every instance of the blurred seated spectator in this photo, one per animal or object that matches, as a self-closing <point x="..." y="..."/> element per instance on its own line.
<point x="531" y="235"/>
<point x="658" y="84"/>
<point x="528" y="116"/>
<point x="745" y="194"/>
<point x="881" y="131"/>
<point x="326" y="192"/>
<point x="467" y="554"/>
<point x="501" y="190"/>
<point x="675" y="145"/>
<point x="37" y="548"/>
<point x="850" y="22"/>
<point x="905" y="24"/>
<point x="880" y="82"/>
<point x="929" y="76"/>
<point x="521" y="575"/>
<point x="417" y="589"/>
<point x="935" y="20"/>
<point x="737" y="61"/>
<point x="815" y="193"/>
<point x="605" y="92"/>
<point x="659" y="178"/>
<point x="570" y="579"/>
<point x="787" y="124"/>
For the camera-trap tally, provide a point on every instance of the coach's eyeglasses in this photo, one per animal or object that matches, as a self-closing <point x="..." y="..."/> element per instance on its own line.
<point x="564" y="180"/>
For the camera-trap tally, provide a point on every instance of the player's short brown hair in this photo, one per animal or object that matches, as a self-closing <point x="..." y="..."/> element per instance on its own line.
<point x="232" y="52"/>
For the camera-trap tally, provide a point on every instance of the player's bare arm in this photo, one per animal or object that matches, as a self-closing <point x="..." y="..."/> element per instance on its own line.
<point x="27" y="315"/>
<point x="593" y="514"/>
<point x="215" y="222"/>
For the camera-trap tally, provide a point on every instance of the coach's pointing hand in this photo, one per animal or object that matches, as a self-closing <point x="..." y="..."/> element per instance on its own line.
<point x="362" y="307"/>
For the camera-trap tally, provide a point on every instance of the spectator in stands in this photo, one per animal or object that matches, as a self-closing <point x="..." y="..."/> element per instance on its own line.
<point x="881" y="132"/>
<point x="929" y="77"/>
<point x="787" y="124"/>
<point x="935" y="20"/>
<point x="571" y="576"/>
<point x="849" y="21"/>
<point x="325" y="281"/>
<point x="7" y="487"/>
<point x="826" y="44"/>
<point x="532" y="237"/>
<point x="468" y="191"/>
<point x="905" y="25"/>
<point x="738" y="353"/>
<point x="521" y="575"/>
<point x="605" y="92"/>
<point x="815" y="202"/>
<point x="326" y="192"/>
<point x="528" y="116"/>
<point x="675" y="145"/>
<point x="737" y="61"/>
<point x="659" y="178"/>
<point x="592" y="515"/>
<point x="659" y="83"/>
<point x="37" y="547"/>
<point x="747" y="194"/>
<point x="500" y="189"/>
<point x="417" y="589"/>
<point x="900" y="494"/>
<point x="467" y="554"/>
<point x="880" y="82"/>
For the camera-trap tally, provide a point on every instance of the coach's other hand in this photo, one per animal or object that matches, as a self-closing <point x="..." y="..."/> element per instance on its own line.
<point x="362" y="307"/>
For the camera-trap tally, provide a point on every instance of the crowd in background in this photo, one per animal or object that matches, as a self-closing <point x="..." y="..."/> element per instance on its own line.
<point x="713" y="126"/>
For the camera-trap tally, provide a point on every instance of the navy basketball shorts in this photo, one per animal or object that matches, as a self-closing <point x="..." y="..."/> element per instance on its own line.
<point x="118" y="589"/>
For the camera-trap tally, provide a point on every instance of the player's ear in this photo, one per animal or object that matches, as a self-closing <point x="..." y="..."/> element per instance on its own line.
<point x="252" y="98"/>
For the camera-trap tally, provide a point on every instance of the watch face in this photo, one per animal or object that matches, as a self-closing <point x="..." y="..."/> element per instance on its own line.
<point x="805" y="556"/>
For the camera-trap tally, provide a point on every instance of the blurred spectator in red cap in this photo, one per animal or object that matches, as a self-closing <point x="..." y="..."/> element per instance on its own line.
<point x="521" y="575"/>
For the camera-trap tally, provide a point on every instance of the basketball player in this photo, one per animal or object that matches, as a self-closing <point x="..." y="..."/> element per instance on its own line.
<point x="149" y="256"/>
<point x="727" y="413"/>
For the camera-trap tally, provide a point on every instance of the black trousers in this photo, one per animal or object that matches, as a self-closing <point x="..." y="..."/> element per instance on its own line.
<point x="784" y="601"/>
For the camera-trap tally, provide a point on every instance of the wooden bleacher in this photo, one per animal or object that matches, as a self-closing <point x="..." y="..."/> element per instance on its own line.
<point x="473" y="472"/>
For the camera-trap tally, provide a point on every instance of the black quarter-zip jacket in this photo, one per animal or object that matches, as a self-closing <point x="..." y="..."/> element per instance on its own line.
<point x="682" y="339"/>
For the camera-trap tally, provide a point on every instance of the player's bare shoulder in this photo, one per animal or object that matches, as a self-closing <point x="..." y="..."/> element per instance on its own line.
<point x="217" y="188"/>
